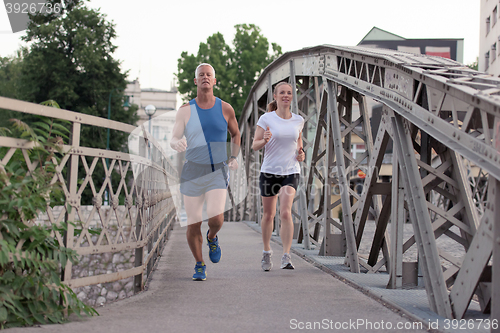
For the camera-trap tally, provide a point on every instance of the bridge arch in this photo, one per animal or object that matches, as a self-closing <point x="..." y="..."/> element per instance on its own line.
<point x="442" y="120"/>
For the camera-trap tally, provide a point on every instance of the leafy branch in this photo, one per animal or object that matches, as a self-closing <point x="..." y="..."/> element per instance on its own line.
<point x="32" y="255"/>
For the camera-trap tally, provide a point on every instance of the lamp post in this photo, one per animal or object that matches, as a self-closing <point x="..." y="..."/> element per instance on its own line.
<point x="150" y="111"/>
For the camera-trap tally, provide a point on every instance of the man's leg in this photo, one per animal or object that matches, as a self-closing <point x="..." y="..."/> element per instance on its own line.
<point x="216" y="200"/>
<point x="194" y="207"/>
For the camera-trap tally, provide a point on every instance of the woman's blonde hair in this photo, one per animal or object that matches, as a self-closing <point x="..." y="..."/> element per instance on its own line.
<point x="273" y="106"/>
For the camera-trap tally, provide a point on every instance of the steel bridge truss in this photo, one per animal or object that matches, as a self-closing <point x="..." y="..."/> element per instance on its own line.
<point x="442" y="120"/>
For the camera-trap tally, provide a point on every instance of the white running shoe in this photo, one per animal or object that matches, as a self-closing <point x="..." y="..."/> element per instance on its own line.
<point x="267" y="264"/>
<point x="286" y="262"/>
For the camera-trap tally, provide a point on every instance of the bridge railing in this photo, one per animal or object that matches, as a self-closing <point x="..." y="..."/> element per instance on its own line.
<point x="126" y="214"/>
<point x="438" y="128"/>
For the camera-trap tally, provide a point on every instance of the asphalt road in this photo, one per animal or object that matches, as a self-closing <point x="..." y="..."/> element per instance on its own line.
<point x="238" y="296"/>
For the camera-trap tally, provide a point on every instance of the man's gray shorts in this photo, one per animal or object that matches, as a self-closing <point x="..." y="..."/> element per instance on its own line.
<point x="198" y="179"/>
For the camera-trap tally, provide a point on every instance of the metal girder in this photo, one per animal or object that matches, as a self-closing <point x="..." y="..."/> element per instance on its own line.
<point x="320" y="172"/>
<point x="257" y="204"/>
<point x="396" y="85"/>
<point x="301" y="194"/>
<point x="472" y="268"/>
<point x="492" y="212"/>
<point x="397" y="226"/>
<point x="333" y="113"/>
<point x="434" y="280"/>
<point x="372" y="191"/>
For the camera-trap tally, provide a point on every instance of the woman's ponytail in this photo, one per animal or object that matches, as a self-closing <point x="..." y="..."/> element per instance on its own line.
<point x="273" y="106"/>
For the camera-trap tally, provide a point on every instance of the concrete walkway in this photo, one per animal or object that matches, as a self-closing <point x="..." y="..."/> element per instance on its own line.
<point x="239" y="297"/>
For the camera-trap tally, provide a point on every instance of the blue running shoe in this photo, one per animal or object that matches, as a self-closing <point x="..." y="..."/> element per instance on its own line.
<point x="214" y="247"/>
<point x="200" y="272"/>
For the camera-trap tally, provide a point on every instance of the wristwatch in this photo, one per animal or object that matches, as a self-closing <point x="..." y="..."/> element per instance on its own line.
<point x="232" y="157"/>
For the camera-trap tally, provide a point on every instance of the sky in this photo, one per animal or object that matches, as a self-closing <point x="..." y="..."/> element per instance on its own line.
<point x="152" y="34"/>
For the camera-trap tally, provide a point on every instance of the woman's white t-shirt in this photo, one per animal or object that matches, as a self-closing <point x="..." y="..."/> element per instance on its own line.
<point x="280" y="153"/>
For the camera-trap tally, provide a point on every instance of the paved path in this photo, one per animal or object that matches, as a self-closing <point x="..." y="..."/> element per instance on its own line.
<point x="238" y="296"/>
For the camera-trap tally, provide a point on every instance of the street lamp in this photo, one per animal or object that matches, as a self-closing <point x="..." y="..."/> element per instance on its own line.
<point x="150" y="111"/>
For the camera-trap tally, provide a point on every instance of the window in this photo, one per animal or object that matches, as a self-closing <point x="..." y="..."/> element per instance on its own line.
<point x="494" y="16"/>
<point x="493" y="52"/>
<point x="487" y="25"/>
<point x="357" y="150"/>
<point x="486" y="60"/>
<point x="156" y="132"/>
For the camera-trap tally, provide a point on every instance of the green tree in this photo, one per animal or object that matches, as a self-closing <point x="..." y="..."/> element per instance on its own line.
<point x="10" y="75"/>
<point x="11" y="68"/>
<point x="250" y="57"/>
<point x="237" y="68"/>
<point x="10" y="82"/>
<point x="473" y="65"/>
<point x="70" y="60"/>
<point x="216" y="52"/>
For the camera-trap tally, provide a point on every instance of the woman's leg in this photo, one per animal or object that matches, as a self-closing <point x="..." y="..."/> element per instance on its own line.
<point x="287" y="193"/>
<point x="269" y="205"/>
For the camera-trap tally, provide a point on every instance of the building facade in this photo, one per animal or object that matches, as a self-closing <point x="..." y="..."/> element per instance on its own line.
<point x="489" y="37"/>
<point x="165" y="102"/>
<point x="451" y="48"/>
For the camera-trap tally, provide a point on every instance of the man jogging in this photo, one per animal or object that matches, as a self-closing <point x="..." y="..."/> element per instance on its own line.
<point x="200" y="130"/>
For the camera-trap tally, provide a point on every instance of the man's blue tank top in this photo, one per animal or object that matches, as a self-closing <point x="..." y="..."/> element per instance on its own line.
<point x="206" y="134"/>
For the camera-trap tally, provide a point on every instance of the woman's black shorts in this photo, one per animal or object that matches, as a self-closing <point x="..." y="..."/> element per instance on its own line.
<point x="271" y="184"/>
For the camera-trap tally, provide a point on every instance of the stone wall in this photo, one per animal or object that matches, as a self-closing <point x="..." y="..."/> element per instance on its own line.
<point x="103" y="263"/>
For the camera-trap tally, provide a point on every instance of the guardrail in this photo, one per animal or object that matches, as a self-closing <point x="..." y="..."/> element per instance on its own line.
<point x="132" y="211"/>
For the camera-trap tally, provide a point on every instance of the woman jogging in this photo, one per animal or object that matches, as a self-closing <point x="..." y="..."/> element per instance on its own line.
<point x="280" y="132"/>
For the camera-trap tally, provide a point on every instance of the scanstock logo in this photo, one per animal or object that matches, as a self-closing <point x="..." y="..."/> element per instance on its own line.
<point x="19" y="11"/>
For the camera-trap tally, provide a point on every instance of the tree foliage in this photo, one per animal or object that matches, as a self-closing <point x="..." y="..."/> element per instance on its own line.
<point x="31" y="257"/>
<point x="70" y="60"/>
<point x="473" y="65"/>
<point x="10" y="74"/>
<point x="236" y="68"/>
<point x="10" y="82"/>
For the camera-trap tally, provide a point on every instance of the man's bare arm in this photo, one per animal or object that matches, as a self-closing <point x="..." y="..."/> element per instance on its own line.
<point x="178" y="141"/>
<point x="234" y="131"/>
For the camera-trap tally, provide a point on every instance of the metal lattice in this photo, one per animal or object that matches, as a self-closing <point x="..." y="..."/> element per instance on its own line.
<point x="140" y="223"/>
<point x="441" y="120"/>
